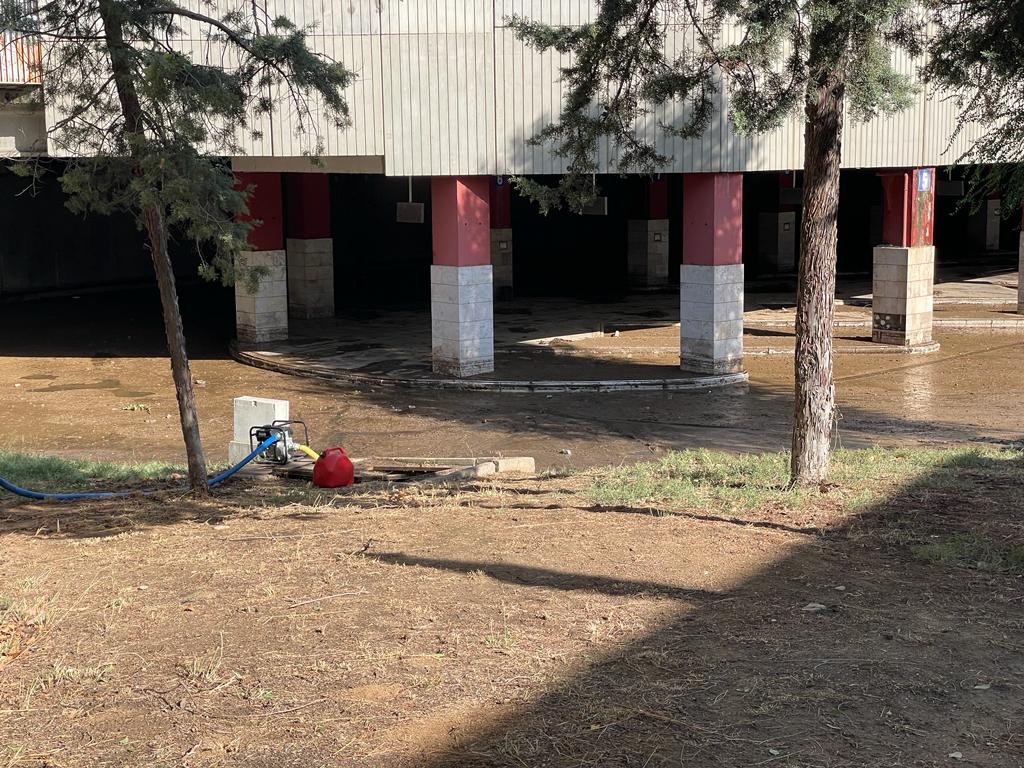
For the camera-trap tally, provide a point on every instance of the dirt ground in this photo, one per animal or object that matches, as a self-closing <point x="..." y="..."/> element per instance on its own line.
<point x="512" y="623"/>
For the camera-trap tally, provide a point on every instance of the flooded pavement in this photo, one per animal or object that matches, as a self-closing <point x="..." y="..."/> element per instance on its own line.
<point x="97" y="384"/>
<point x="124" y="408"/>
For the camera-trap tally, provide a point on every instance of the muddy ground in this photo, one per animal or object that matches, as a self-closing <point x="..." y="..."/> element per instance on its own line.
<point x="94" y="382"/>
<point x="512" y="623"/>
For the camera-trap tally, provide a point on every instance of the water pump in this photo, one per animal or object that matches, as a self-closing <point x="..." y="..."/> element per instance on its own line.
<point x="286" y="448"/>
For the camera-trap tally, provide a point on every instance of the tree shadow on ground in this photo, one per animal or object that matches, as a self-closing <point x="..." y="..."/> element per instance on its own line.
<point x="886" y="643"/>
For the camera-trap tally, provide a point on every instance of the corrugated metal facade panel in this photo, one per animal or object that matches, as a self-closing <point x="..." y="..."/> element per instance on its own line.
<point x="445" y="88"/>
<point x="438" y="97"/>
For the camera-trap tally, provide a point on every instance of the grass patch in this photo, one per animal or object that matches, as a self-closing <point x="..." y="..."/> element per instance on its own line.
<point x="51" y="473"/>
<point x="971" y="550"/>
<point x="725" y="482"/>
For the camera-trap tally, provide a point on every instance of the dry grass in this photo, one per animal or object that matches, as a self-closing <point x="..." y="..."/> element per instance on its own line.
<point x="516" y="622"/>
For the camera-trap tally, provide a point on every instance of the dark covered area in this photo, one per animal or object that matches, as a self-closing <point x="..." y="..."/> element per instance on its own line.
<point x="45" y="248"/>
<point x="381" y="263"/>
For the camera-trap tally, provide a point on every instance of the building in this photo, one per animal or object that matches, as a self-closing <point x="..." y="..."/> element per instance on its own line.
<point x="444" y="107"/>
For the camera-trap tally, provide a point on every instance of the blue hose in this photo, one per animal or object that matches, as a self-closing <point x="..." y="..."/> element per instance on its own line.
<point x="216" y="480"/>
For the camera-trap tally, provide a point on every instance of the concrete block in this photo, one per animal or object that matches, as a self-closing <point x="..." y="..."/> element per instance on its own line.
<point x="728" y="329"/>
<point x="701" y="293"/>
<point x="714" y="312"/>
<point x="702" y="274"/>
<point x="919" y="322"/>
<point x="920" y="304"/>
<point x="697" y="348"/>
<point x="237" y="451"/>
<point x="462" y="369"/>
<point x="269" y="259"/>
<point x="709" y="366"/>
<point x="261" y="334"/>
<point x="728" y="349"/>
<point x="922" y="271"/>
<point x="443" y="275"/>
<point x="728" y="292"/>
<point x="698" y="330"/>
<point x="251" y="412"/>
<point x="523" y="464"/>
<point x="890" y="272"/>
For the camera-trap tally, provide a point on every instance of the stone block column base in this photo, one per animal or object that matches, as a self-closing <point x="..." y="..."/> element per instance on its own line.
<point x="462" y="319"/>
<point x="502" y="261"/>
<point x="310" y="278"/>
<point x="263" y="316"/>
<point x="902" y="300"/>
<point x="648" y="253"/>
<point x="711" y="318"/>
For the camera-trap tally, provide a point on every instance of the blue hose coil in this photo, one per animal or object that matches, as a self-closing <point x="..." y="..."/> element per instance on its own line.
<point x="215" y="480"/>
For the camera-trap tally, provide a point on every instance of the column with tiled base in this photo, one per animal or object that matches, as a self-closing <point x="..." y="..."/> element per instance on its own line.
<point x="309" y="245"/>
<point x="502" y="250"/>
<point x="461" y="277"/>
<point x="648" y="249"/>
<point x="711" y="276"/>
<point x="261" y="315"/>
<point x="904" y="268"/>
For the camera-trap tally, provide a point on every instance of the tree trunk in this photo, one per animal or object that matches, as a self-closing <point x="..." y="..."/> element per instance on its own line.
<point x="152" y="217"/>
<point x="814" y="420"/>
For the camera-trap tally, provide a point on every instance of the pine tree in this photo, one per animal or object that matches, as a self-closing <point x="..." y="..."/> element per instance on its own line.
<point x="822" y="57"/>
<point x="145" y="124"/>
<point x="977" y="53"/>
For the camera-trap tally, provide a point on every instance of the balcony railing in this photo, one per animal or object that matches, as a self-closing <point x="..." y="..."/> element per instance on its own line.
<point x="21" y="58"/>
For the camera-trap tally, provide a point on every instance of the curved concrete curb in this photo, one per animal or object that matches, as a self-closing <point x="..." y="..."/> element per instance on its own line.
<point x="965" y="323"/>
<point x="321" y="373"/>
<point x="627" y="353"/>
<point x="882" y="349"/>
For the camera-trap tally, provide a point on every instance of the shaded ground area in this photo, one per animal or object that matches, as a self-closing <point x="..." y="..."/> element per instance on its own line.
<point x="520" y="623"/>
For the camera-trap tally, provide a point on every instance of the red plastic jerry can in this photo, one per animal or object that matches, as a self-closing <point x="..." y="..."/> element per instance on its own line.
<point x="333" y="469"/>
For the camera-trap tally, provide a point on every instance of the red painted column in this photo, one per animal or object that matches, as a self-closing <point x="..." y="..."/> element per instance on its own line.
<point x="904" y="266"/>
<point x="711" y="277"/>
<point x="461" y="277"/>
<point x="309" y="244"/>
<point x="262" y="315"/>
<point x="713" y="219"/>
<point x="908" y="207"/>
<point x="265" y="207"/>
<point x="502" y="258"/>
<point x="648" y="249"/>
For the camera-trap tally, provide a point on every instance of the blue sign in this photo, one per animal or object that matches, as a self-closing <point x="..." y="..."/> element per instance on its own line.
<point x="924" y="180"/>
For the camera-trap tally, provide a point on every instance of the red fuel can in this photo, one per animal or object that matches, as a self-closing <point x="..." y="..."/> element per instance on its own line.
<point x="333" y="469"/>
